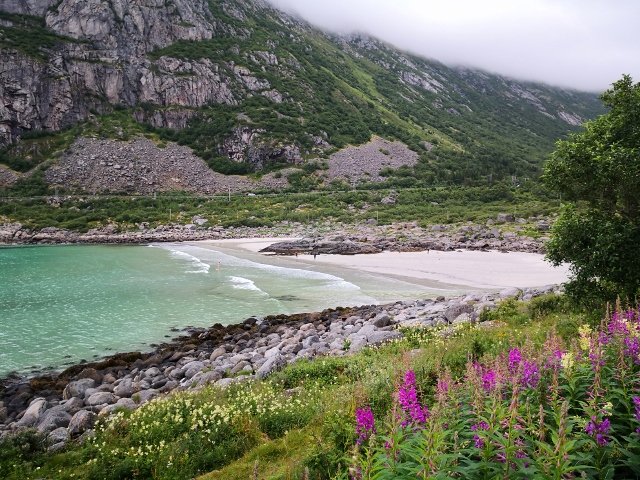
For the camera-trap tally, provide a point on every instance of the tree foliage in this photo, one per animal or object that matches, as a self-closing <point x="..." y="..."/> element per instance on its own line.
<point x="598" y="171"/>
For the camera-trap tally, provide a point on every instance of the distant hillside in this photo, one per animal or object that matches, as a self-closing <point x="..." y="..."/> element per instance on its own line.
<point x="250" y="88"/>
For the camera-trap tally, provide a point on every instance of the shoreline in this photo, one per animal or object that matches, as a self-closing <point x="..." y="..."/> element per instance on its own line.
<point x="223" y="355"/>
<point x="324" y="238"/>
<point x="463" y="269"/>
<point x="254" y="347"/>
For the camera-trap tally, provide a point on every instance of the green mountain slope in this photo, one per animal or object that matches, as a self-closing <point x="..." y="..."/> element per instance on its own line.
<point x="249" y="88"/>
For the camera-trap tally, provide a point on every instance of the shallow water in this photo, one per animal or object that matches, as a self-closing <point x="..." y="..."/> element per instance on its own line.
<point x="63" y="304"/>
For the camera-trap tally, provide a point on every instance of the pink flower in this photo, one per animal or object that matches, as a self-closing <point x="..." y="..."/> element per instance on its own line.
<point x="599" y="430"/>
<point x="365" y="424"/>
<point x="408" y="399"/>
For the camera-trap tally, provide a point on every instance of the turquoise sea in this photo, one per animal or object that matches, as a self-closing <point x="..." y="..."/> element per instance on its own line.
<point x="60" y="305"/>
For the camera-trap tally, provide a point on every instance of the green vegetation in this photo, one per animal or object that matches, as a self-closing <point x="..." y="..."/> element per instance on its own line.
<point x="598" y="171"/>
<point x="427" y="205"/>
<point x="283" y="433"/>
<point x="29" y="35"/>
<point x="344" y="99"/>
<point x="547" y="410"/>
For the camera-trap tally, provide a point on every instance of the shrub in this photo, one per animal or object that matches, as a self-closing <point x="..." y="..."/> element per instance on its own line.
<point x="546" y="304"/>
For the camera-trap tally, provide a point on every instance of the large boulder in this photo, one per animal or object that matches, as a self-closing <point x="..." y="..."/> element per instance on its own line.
<point x="358" y="342"/>
<point x="218" y="352"/>
<point x="381" y="320"/>
<point x="78" y="388"/>
<point x="101" y="398"/>
<point x="81" y="422"/>
<point x="37" y="407"/>
<point x="378" y="338"/>
<point x="52" y="419"/>
<point x="143" y="396"/>
<point x="366" y="330"/>
<point x="455" y="311"/>
<point x="57" y="436"/>
<point x="191" y="368"/>
<point x="505" y="217"/>
<point x="274" y="363"/>
<point x="124" y="388"/>
<point x="512" y="292"/>
<point x="91" y="373"/>
<point x="207" y="378"/>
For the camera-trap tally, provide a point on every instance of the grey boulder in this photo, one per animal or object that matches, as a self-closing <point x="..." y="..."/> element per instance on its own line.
<point x="101" y="398"/>
<point x="52" y="419"/>
<point x="78" y="388"/>
<point x="81" y="422"/>
<point x="274" y="363"/>
<point x="378" y="338"/>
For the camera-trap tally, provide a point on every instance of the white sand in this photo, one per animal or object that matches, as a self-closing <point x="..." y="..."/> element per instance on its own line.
<point x="484" y="270"/>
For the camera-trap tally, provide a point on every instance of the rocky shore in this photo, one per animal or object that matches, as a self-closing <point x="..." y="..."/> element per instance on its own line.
<point x="504" y="234"/>
<point x="66" y="405"/>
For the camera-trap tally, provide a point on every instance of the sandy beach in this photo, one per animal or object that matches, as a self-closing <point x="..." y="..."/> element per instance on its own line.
<point x="480" y="270"/>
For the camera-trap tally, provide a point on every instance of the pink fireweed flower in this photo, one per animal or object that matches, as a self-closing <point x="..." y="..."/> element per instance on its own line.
<point x="530" y="375"/>
<point x="365" y="424"/>
<point x="530" y="371"/>
<point x="442" y="387"/>
<point x="408" y="399"/>
<point x="599" y="430"/>
<point x="618" y="325"/>
<point x="515" y="359"/>
<point x="479" y="441"/>
<point x="632" y="349"/>
<point x="603" y="338"/>
<point x="481" y="426"/>
<point x="489" y="380"/>
<point x="636" y="401"/>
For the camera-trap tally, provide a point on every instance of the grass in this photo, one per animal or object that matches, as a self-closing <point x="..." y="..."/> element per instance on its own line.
<point x="273" y="460"/>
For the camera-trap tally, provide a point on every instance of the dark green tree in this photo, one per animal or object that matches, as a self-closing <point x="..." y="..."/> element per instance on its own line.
<point x="598" y="172"/>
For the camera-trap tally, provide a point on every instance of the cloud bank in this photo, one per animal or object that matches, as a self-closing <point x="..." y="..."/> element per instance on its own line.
<point x="582" y="44"/>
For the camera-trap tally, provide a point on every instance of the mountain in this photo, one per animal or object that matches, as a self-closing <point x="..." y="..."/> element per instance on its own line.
<point x="249" y="88"/>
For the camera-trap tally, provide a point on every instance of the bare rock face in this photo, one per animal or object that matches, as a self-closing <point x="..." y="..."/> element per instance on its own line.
<point x="130" y="28"/>
<point x="106" y="58"/>
<point x="26" y="7"/>
<point x="246" y="145"/>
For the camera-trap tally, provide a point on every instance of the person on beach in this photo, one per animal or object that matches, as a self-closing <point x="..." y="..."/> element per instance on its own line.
<point x="218" y="265"/>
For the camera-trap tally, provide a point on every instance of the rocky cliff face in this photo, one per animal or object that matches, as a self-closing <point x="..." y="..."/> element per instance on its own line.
<point x="171" y="60"/>
<point x="107" y="62"/>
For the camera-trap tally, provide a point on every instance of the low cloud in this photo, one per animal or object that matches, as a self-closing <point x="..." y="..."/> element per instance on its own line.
<point x="582" y="44"/>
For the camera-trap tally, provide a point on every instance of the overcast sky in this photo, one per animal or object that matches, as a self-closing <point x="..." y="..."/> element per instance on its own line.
<point x="582" y="44"/>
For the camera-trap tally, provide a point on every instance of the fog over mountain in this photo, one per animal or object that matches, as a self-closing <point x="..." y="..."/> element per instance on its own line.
<point x="583" y="44"/>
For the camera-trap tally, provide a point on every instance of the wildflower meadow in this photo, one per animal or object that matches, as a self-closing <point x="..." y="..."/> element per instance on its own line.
<point x="550" y="411"/>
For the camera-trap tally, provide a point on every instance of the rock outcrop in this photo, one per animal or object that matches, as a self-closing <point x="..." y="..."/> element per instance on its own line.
<point x="101" y="53"/>
<point x="7" y="176"/>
